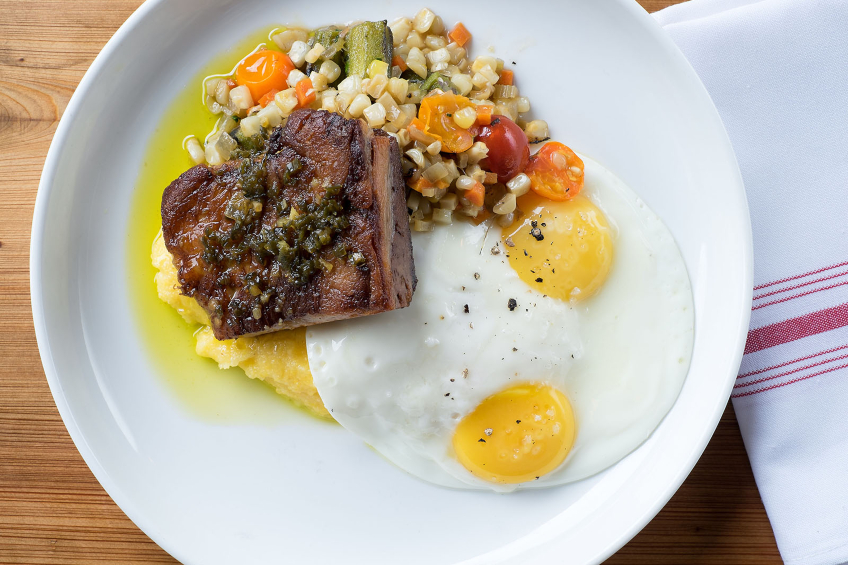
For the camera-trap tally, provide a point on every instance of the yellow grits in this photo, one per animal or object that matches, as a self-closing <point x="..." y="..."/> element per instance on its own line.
<point x="278" y="358"/>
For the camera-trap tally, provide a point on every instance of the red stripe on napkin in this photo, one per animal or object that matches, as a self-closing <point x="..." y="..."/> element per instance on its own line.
<point x="796" y="328"/>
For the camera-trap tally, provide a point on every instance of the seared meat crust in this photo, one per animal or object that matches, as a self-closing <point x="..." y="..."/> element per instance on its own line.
<point x="224" y="259"/>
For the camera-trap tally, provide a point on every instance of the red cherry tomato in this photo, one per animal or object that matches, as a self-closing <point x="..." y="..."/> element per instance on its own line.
<point x="508" y="148"/>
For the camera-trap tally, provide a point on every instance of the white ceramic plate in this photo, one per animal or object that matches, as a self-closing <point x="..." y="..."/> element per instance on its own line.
<point x="292" y="489"/>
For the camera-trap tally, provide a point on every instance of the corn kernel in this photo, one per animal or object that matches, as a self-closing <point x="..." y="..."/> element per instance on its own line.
<point x="423" y="20"/>
<point x="480" y="81"/>
<point x="315" y="53"/>
<point x="505" y="205"/>
<point x="328" y="100"/>
<point x="465" y="117"/>
<point x="286" y="38"/>
<point x="438" y="26"/>
<point x="319" y="81"/>
<point x="489" y="74"/>
<point x="358" y="105"/>
<point x="477" y="152"/>
<point x="270" y="116"/>
<point x="400" y="29"/>
<point x="195" y="150"/>
<point x="295" y="77"/>
<point x="536" y="131"/>
<point x="402" y="136"/>
<point x="519" y="184"/>
<point x="376" y="86"/>
<point x="343" y="101"/>
<point x="463" y="83"/>
<point x="484" y="61"/>
<point x="465" y="182"/>
<point x="298" y="52"/>
<point x="286" y="100"/>
<point x="435" y="42"/>
<point x="398" y="88"/>
<point x="414" y="40"/>
<point x="416" y="62"/>
<point x="331" y="70"/>
<point x="241" y="98"/>
<point x="417" y="157"/>
<point x="351" y="84"/>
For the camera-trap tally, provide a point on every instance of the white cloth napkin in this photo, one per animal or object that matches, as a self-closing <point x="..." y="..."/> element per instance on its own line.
<point x="777" y="71"/>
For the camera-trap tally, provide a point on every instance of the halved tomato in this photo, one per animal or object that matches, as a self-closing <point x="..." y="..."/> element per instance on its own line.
<point x="264" y="71"/>
<point x="555" y="172"/>
<point x="436" y="117"/>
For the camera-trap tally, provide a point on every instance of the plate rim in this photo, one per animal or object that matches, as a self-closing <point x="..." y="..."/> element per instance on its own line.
<point x="47" y="184"/>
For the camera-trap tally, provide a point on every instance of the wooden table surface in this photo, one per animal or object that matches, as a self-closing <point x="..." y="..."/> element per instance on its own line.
<point x="52" y="510"/>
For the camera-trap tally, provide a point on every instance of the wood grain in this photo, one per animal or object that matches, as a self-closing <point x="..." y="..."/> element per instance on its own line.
<point x="52" y="510"/>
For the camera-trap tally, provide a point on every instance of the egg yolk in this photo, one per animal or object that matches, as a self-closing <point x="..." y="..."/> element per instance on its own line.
<point x="562" y="249"/>
<point x="516" y="435"/>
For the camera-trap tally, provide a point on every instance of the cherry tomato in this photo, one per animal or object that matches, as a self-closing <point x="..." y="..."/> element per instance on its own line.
<point x="263" y="72"/>
<point x="508" y="147"/>
<point x="435" y="118"/>
<point x="555" y="172"/>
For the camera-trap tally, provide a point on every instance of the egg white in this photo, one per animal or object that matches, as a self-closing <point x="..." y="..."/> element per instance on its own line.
<point x="402" y="380"/>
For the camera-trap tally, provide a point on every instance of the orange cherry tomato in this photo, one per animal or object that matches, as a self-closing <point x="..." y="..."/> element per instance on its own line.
<point x="555" y="172"/>
<point x="263" y="72"/>
<point x="436" y="114"/>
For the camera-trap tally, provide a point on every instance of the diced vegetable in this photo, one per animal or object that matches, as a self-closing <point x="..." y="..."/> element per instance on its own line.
<point x="476" y="194"/>
<point x="507" y="77"/>
<point x="555" y="172"/>
<point x="268" y="97"/>
<point x="264" y="71"/>
<point x="421" y="184"/>
<point x="365" y="43"/>
<point x="460" y="34"/>
<point x="484" y="114"/>
<point x="400" y="63"/>
<point x="305" y="93"/>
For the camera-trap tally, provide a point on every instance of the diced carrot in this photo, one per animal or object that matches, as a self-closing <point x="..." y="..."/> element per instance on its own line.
<point x="305" y="93"/>
<point x="491" y="178"/>
<point x="476" y="194"/>
<point x="420" y="184"/>
<point x="460" y="34"/>
<point x="507" y="77"/>
<point x="484" y="114"/>
<point x="398" y="62"/>
<point x="442" y="183"/>
<point x="268" y="97"/>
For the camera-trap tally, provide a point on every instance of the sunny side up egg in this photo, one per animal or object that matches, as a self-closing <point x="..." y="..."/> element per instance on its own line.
<point x="531" y="356"/>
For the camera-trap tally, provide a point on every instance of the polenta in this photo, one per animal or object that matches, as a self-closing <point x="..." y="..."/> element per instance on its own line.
<point x="278" y="358"/>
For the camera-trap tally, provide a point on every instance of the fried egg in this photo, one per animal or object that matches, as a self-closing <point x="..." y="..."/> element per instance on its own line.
<point x="533" y="355"/>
